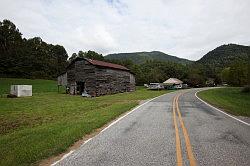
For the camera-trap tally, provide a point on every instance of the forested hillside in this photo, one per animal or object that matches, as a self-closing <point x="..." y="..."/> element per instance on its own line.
<point x="224" y="56"/>
<point x="28" y="58"/>
<point x="141" y="57"/>
<point x="230" y="63"/>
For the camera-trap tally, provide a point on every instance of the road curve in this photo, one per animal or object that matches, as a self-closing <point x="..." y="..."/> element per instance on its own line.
<point x="174" y="129"/>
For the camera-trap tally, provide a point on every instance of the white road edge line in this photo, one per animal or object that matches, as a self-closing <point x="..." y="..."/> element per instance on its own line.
<point x="66" y="155"/>
<point x="220" y="110"/>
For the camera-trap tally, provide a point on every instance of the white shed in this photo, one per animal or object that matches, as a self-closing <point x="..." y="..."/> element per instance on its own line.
<point x="21" y="90"/>
<point x="172" y="81"/>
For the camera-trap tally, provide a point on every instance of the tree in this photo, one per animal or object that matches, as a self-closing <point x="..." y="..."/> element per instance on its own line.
<point x="81" y="54"/>
<point x="225" y="75"/>
<point x="10" y="42"/>
<point x="9" y="35"/>
<point x="238" y="73"/>
<point x="60" y="56"/>
<point x="89" y="55"/>
<point x="32" y="58"/>
<point x="73" y="56"/>
<point x="195" y="76"/>
<point x="93" y="55"/>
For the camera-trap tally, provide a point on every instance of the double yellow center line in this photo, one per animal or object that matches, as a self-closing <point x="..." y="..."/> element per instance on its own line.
<point x="190" y="155"/>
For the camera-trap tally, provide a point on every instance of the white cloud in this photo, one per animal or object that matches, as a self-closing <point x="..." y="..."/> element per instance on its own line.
<point x="182" y="28"/>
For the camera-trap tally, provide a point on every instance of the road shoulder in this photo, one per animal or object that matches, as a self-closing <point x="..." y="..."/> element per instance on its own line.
<point x="56" y="159"/>
<point x="242" y="119"/>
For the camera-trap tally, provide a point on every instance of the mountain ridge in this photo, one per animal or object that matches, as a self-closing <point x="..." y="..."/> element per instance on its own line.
<point x="220" y="57"/>
<point x="225" y="55"/>
<point x="141" y="57"/>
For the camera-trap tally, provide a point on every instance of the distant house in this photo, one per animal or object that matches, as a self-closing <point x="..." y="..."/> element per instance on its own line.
<point x="155" y="86"/>
<point x="96" y="78"/>
<point x="173" y="83"/>
<point x="210" y="82"/>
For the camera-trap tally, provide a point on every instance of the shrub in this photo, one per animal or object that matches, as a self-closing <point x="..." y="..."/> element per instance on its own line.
<point x="246" y="89"/>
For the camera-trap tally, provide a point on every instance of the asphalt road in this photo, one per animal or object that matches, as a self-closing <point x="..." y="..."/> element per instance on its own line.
<point x="157" y="134"/>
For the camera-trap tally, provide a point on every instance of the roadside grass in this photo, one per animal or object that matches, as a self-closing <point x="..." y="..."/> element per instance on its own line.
<point x="46" y="124"/>
<point x="229" y="99"/>
<point x="38" y="85"/>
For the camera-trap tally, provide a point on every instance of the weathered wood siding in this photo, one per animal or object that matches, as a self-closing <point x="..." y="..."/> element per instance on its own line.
<point x="85" y="72"/>
<point x="132" y="82"/>
<point x="110" y="81"/>
<point x="62" y="80"/>
<point x="99" y="80"/>
<point x="71" y="80"/>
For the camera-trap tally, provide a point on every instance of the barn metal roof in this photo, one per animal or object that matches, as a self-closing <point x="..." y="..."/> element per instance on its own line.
<point x="106" y="64"/>
<point x="101" y="63"/>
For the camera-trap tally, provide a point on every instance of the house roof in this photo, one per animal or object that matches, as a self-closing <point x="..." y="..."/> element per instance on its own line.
<point x="173" y="81"/>
<point x="106" y="64"/>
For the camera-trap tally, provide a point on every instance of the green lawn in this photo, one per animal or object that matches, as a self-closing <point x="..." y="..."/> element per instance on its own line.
<point x="38" y="85"/>
<point x="46" y="124"/>
<point x="231" y="100"/>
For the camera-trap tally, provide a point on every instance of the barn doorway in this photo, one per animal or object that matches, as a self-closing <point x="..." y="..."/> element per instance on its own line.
<point x="80" y="87"/>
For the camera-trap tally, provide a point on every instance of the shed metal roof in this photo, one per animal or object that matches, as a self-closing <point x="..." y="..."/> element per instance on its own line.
<point x="173" y="81"/>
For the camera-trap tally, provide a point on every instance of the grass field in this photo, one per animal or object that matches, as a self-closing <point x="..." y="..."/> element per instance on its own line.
<point x="46" y="124"/>
<point x="38" y="85"/>
<point x="231" y="100"/>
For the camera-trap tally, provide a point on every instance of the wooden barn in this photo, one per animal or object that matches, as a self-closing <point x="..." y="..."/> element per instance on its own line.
<point x="96" y="78"/>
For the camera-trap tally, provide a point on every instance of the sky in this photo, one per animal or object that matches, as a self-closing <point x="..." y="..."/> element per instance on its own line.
<point x="183" y="28"/>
